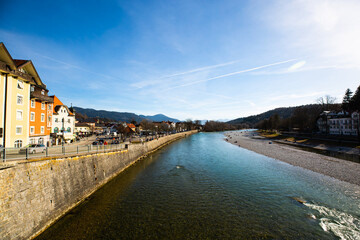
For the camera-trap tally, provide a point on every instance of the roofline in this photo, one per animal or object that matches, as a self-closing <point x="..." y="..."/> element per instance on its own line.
<point x="7" y="52"/>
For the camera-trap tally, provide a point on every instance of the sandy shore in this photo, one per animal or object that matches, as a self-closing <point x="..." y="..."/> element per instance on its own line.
<point x="337" y="168"/>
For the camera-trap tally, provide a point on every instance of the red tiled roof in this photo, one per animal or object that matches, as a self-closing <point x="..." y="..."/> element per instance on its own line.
<point x="130" y="125"/>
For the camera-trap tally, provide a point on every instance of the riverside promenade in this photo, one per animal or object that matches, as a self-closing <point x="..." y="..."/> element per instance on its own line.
<point x="36" y="193"/>
<point x="334" y="167"/>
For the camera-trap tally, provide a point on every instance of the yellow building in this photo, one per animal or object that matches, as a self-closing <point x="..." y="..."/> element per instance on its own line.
<point x="16" y="78"/>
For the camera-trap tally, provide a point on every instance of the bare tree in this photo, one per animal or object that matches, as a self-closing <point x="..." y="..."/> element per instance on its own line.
<point x="147" y="125"/>
<point x="326" y="102"/>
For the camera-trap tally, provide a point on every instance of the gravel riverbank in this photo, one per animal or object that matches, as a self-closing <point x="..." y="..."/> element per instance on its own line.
<point x="337" y="168"/>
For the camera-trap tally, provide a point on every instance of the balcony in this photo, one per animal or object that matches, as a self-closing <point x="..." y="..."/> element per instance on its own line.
<point x="4" y="67"/>
<point x="36" y="94"/>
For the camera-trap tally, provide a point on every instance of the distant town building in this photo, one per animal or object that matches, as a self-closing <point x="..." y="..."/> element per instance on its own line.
<point x="131" y="126"/>
<point x="82" y="129"/>
<point x="339" y="123"/>
<point x="63" y="123"/>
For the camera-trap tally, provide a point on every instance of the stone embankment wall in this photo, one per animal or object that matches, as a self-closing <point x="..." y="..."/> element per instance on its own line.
<point x="33" y="195"/>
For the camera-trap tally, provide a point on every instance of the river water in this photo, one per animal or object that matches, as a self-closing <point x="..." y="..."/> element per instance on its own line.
<point x="202" y="187"/>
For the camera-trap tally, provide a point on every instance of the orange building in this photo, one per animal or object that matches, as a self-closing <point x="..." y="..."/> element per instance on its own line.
<point x="41" y="109"/>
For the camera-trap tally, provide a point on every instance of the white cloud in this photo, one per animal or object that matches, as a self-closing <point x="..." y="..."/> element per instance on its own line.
<point x="296" y="66"/>
<point x="297" y="96"/>
<point x="324" y="29"/>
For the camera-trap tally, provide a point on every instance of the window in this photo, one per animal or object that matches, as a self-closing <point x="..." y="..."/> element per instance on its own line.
<point x="41" y="141"/>
<point x="32" y="116"/>
<point x="32" y="130"/>
<point x="56" y="130"/>
<point x="49" y="106"/>
<point x="19" y="130"/>
<point x="56" y="120"/>
<point x="42" y="92"/>
<point x="32" y="103"/>
<point x="18" y="144"/>
<point x="20" y="84"/>
<point x="68" y="129"/>
<point x="69" y="121"/>
<point x="19" y="115"/>
<point x="20" y="100"/>
<point x="42" y="117"/>
<point x="32" y="141"/>
<point x="43" y="106"/>
<point x="42" y="129"/>
<point x="49" y="118"/>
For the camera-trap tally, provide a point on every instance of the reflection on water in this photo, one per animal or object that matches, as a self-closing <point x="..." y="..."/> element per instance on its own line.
<point x="204" y="188"/>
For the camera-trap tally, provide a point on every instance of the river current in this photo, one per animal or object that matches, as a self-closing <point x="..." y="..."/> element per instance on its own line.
<point x="202" y="187"/>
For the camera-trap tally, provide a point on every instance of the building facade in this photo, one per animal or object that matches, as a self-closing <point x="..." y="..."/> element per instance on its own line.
<point x="63" y="123"/>
<point x="16" y="78"/>
<point x="341" y="123"/>
<point x="82" y="129"/>
<point x="41" y="110"/>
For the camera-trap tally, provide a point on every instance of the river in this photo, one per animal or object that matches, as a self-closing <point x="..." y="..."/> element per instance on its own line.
<point x="202" y="187"/>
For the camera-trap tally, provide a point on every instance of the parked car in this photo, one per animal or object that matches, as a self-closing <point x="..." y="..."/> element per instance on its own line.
<point x="98" y="142"/>
<point x="115" y="142"/>
<point x="33" y="148"/>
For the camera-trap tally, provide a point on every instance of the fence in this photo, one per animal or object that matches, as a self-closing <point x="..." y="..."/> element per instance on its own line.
<point x="11" y="154"/>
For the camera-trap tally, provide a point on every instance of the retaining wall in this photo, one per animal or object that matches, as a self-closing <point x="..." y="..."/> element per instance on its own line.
<point x="33" y="195"/>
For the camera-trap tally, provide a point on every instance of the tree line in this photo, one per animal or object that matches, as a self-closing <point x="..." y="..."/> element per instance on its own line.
<point x="215" y="126"/>
<point x="304" y="118"/>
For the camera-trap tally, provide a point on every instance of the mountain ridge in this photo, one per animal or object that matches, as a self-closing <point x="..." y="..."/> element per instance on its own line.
<point x="121" y="116"/>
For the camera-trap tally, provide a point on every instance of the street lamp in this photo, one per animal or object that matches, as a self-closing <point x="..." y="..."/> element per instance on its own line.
<point x="63" y="131"/>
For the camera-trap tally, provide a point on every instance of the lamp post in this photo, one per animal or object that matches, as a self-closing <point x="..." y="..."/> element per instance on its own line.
<point x="63" y="131"/>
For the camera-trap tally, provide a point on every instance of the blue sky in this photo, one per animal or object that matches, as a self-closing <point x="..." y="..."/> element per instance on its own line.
<point x="190" y="58"/>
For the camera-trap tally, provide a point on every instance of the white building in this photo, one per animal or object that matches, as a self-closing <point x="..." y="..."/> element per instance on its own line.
<point x="82" y="129"/>
<point x="63" y="124"/>
<point x="340" y="123"/>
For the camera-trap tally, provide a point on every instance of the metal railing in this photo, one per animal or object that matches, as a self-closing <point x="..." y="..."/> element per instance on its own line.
<point x="12" y="154"/>
<point x="15" y="154"/>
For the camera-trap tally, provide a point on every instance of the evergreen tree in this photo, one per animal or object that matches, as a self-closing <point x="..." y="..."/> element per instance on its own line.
<point x="346" y="100"/>
<point x="355" y="100"/>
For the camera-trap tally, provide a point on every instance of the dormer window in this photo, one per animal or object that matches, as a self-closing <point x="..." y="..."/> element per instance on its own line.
<point x="20" y="84"/>
<point x="42" y="92"/>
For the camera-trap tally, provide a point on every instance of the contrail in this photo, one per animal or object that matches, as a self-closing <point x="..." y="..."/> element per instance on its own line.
<point x="231" y="74"/>
<point x="200" y="69"/>
<point x="153" y="82"/>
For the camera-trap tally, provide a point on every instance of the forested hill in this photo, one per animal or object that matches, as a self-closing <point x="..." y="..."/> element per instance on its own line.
<point x="252" y="120"/>
<point x="310" y="111"/>
<point x="119" y="116"/>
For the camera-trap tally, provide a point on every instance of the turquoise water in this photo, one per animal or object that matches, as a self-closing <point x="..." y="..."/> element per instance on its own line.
<point x="202" y="187"/>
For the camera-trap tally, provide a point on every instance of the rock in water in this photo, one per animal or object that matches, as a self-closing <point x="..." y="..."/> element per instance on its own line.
<point x="299" y="200"/>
